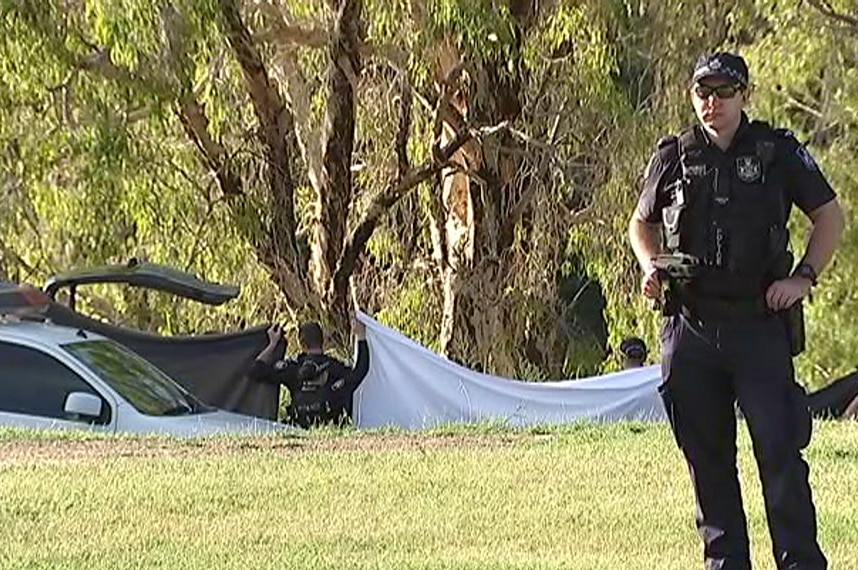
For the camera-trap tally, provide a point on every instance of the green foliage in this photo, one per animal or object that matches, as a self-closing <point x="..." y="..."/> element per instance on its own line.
<point x="97" y="169"/>
<point x="413" y="312"/>
<point x="95" y="166"/>
<point x="481" y="29"/>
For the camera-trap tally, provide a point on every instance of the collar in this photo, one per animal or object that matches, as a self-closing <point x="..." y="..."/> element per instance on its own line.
<point x="741" y="132"/>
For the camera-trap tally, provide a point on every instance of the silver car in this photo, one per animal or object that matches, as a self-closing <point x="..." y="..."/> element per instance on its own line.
<point x="59" y="377"/>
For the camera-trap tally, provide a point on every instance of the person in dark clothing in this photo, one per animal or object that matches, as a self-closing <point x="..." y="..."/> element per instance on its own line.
<point x="834" y="400"/>
<point x="718" y="197"/>
<point x="320" y="386"/>
<point x="634" y="352"/>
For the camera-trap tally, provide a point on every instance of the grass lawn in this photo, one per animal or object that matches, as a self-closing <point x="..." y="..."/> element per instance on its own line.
<point x="579" y="497"/>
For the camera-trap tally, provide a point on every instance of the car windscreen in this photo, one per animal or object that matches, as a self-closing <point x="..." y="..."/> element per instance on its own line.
<point x="137" y="380"/>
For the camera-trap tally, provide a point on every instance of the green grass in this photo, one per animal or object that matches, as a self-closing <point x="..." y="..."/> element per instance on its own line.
<point x="578" y="497"/>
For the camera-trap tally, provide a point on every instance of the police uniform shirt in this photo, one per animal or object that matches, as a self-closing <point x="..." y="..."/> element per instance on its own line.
<point x="806" y="186"/>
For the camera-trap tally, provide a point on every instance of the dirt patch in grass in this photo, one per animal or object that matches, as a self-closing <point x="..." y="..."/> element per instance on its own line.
<point x="38" y="451"/>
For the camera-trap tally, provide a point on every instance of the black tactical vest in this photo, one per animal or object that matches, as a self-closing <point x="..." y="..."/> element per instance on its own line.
<point x="729" y="211"/>
<point x="311" y="401"/>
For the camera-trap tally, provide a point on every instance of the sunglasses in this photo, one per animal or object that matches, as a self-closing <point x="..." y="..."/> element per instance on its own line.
<point x="720" y="91"/>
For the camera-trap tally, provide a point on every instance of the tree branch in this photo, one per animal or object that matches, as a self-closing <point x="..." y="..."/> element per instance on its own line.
<point x="276" y="126"/>
<point x="298" y="97"/>
<point x="515" y="215"/>
<point x="284" y="34"/>
<point x="190" y="111"/>
<point x="337" y="144"/>
<point x="826" y="9"/>
<point x="798" y="104"/>
<point x="404" y="127"/>
<point x="356" y="243"/>
<point x="267" y="103"/>
<point x="196" y="125"/>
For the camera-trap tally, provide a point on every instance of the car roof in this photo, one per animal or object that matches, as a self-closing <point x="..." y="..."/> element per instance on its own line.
<point x="45" y="333"/>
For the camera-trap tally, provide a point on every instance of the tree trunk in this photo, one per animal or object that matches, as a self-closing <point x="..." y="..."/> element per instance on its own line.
<point x="332" y="205"/>
<point x="479" y="198"/>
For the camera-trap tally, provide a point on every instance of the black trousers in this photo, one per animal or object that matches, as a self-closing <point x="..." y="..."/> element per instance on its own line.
<point x="707" y="367"/>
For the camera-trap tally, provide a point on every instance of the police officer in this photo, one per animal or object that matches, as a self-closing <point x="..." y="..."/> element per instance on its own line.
<point x="320" y="386"/>
<point x="722" y="192"/>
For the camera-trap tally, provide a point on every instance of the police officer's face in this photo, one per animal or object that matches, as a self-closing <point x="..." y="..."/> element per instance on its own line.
<point x="718" y="102"/>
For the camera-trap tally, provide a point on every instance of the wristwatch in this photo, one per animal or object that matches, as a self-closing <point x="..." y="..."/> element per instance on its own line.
<point x="805" y="270"/>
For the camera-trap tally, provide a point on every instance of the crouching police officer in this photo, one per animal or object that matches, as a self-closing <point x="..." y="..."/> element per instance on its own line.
<point x="720" y="194"/>
<point x="320" y="386"/>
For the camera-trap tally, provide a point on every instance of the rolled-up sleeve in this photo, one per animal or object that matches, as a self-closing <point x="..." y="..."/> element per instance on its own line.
<point x="282" y="372"/>
<point x="654" y="196"/>
<point x="806" y="183"/>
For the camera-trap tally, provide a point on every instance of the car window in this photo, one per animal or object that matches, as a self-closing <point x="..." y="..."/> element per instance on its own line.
<point x="137" y="380"/>
<point x="37" y="384"/>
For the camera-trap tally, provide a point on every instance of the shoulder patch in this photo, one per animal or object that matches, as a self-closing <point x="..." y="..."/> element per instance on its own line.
<point x="806" y="158"/>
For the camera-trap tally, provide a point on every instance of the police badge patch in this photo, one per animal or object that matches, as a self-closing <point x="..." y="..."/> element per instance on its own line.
<point x="749" y="169"/>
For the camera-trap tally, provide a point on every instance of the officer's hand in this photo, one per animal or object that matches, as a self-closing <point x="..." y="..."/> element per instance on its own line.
<point x="784" y="293"/>
<point x="358" y="328"/>
<point x="651" y="284"/>
<point x="275" y="334"/>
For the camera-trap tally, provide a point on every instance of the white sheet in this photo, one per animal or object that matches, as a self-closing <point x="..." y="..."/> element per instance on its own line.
<point x="411" y="387"/>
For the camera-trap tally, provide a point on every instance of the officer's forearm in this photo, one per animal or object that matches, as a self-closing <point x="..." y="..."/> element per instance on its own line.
<point x="361" y="368"/>
<point x="267" y="355"/>
<point x="645" y="239"/>
<point x="828" y="224"/>
<point x="851" y="411"/>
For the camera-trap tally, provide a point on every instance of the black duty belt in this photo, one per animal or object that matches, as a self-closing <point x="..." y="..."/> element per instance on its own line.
<point x="722" y="309"/>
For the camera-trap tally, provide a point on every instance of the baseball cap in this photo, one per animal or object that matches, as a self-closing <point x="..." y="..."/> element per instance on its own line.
<point x="633" y="347"/>
<point x="723" y="64"/>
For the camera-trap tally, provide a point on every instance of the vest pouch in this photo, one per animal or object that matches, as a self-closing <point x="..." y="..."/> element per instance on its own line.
<point x="671" y="218"/>
<point x="794" y="320"/>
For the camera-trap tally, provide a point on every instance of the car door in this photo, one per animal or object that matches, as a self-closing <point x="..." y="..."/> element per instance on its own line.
<point x="33" y="389"/>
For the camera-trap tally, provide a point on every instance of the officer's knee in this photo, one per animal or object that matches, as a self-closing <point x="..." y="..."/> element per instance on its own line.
<point x="775" y="453"/>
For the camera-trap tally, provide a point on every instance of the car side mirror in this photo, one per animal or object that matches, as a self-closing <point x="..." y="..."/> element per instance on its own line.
<point x="84" y="406"/>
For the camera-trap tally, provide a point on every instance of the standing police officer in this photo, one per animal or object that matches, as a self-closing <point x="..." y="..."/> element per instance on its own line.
<point x="721" y="193"/>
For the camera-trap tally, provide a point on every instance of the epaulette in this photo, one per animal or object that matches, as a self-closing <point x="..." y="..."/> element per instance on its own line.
<point x="666" y="141"/>
<point x="785" y="133"/>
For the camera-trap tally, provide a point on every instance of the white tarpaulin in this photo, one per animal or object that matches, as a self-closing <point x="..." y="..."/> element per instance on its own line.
<point x="409" y="386"/>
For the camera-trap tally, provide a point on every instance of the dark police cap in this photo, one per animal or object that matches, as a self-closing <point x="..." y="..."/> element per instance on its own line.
<point x="633" y="347"/>
<point x="721" y="64"/>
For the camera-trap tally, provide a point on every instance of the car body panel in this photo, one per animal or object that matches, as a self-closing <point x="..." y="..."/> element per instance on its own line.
<point x="212" y="367"/>
<point x="149" y="276"/>
<point x="49" y="339"/>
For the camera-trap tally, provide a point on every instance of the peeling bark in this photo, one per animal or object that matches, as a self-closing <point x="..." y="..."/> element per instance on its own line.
<point x="483" y="201"/>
